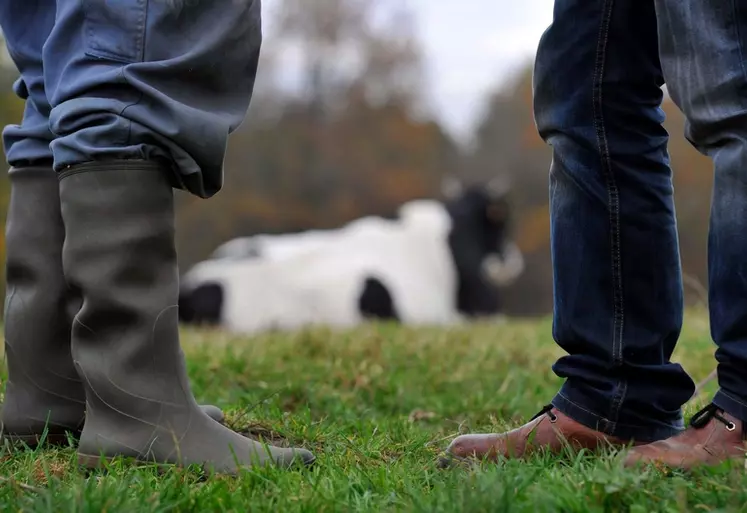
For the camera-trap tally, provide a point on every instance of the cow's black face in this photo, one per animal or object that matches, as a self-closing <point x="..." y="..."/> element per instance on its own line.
<point x="481" y="245"/>
<point x="481" y="222"/>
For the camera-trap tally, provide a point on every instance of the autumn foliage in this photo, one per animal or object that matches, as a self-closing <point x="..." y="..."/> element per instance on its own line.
<point x="344" y="144"/>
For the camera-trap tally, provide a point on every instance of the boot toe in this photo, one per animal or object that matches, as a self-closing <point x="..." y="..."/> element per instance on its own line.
<point x="294" y="456"/>
<point x="307" y="458"/>
<point x="213" y="412"/>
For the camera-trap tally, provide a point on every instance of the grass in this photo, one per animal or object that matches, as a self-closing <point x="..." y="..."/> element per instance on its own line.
<point x="377" y="405"/>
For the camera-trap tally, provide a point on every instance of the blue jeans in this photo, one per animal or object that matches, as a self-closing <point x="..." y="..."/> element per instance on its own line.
<point x="618" y="300"/>
<point x="161" y="80"/>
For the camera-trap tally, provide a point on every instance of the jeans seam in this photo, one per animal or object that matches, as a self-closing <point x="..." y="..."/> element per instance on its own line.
<point x="607" y="426"/>
<point x="613" y="195"/>
<point x="735" y="10"/>
<point x="600" y="423"/>
<point x="732" y="398"/>
<point x="574" y="403"/>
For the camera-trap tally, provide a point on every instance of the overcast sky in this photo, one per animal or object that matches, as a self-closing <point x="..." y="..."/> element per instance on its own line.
<point x="470" y="46"/>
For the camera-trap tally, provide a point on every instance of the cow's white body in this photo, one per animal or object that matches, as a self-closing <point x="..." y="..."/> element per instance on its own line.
<point x="317" y="277"/>
<point x="417" y="215"/>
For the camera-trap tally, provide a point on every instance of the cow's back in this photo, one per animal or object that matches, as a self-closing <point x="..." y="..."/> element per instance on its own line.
<point x="405" y="263"/>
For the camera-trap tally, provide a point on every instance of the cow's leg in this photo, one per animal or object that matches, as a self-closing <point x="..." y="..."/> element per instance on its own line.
<point x="376" y="302"/>
<point x="143" y="97"/>
<point x="616" y="267"/>
<point x="703" y="47"/>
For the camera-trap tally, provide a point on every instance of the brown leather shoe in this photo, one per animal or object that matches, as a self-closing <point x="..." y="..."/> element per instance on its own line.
<point x="549" y="429"/>
<point x="712" y="438"/>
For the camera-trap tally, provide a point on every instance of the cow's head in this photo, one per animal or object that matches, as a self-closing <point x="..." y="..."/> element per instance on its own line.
<point x="480" y="239"/>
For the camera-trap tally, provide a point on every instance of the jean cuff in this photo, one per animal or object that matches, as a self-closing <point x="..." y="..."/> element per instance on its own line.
<point x="731" y="405"/>
<point x="571" y="403"/>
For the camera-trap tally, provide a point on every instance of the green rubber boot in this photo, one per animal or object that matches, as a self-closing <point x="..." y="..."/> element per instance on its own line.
<point x="43" y="388"/>
<point x="119" y="252"/>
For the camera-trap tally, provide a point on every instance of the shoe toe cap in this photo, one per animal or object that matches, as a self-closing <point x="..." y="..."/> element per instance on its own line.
<point x="466" y="446"/>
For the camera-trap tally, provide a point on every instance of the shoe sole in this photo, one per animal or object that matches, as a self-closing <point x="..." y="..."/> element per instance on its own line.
<point x="449" y="460"/>
<point x="664" y="466"/>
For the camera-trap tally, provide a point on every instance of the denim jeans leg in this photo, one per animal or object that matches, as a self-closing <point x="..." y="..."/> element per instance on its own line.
<point x="154" y="80"/>
<point x="26" y="24"/>
<point x="703" y="49"/>
<point x="618" y="300"/>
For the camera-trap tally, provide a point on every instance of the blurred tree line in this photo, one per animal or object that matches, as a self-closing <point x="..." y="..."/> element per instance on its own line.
<point x="356" y="137"/>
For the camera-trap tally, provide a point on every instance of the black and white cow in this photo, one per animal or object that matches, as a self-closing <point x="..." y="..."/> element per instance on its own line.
<point x="438" y="263"/>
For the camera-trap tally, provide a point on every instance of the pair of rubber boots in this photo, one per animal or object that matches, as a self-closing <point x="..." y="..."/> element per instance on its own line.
<point x="91" y="324"/>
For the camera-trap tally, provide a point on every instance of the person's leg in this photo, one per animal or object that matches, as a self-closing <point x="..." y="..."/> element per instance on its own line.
<point x="26" y="25"/>
<point x="703" y="47"/>
<point x="43" y="388"/>
<point x="169" y="86"/>
<point x="616" y="267"/>
<point x="144" y="96"/>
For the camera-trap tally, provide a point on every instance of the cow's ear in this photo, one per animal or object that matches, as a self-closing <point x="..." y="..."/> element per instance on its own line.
<point x="498" y="186"/>
<point x="497" y="212"/>
<point x="451" y="187"/>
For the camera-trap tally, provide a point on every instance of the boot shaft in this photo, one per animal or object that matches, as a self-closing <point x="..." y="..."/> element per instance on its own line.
<point x="43" y="385"/>
<point x="119" y="252"/>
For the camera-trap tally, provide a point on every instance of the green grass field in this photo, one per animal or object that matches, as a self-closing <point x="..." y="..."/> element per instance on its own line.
<point x="377" y="405"/>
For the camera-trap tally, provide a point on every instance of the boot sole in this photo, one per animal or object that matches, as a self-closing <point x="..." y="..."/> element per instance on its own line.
<point x="92" y="463"/>
<point x="51" y="439"/>
<point x="33" y="441"/>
